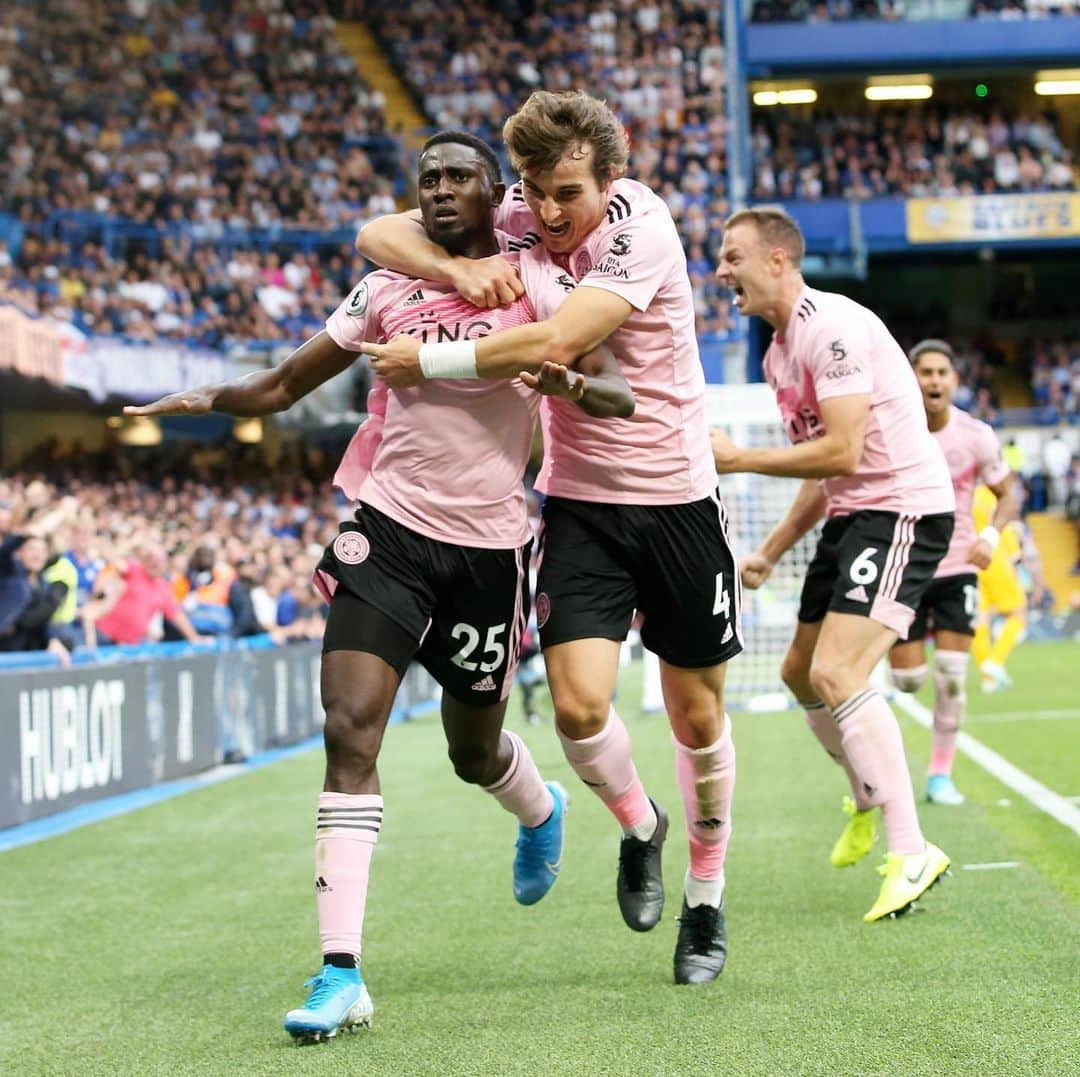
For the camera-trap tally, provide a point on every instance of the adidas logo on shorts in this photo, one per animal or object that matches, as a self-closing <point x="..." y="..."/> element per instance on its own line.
<point x="486" y="684"/>
<point x="857" y="594"/>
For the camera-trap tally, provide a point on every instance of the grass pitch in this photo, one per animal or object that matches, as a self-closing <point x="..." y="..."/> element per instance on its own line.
<point x="172" y="940"/>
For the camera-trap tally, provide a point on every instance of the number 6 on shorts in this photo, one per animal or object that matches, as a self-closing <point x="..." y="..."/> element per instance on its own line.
<point x="863" y="570"/>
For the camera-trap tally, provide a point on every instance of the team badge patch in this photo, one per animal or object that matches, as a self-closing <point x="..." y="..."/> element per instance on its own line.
<point x="350" y="547"/>
<point x="543" y="609"/>
<point x="582" y="264"/>
<point x="358" y="301"/>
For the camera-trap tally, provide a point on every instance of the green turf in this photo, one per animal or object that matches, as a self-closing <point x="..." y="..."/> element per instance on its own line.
<point x="1047" y="748"/>
<point x="172" y="940"/>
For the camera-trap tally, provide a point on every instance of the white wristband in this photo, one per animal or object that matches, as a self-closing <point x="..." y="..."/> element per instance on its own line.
<point x="451" y="359"/>
<point x="991" y="536"/>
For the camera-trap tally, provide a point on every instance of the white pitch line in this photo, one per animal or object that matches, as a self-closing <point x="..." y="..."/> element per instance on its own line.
<point x="997" y="865"/>
<point x="1057" y="807"/>
<point x="1024" y="716"/>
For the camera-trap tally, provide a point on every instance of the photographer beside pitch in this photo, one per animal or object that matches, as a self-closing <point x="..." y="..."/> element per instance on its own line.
<point x="852" y="409"/>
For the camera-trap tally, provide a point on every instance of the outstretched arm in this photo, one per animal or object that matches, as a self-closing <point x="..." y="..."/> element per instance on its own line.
<point x="262" y="392"/>
<point x="837" y="452"/>
<point x="585" y="319"/>
<point x="807" y="508"/>
<point x="398" y="242"/>
<point x="595" y="383"/>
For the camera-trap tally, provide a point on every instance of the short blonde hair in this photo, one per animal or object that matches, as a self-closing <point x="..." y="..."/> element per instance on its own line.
<point x="777" y="227"/>
<point x="550" y="125"/>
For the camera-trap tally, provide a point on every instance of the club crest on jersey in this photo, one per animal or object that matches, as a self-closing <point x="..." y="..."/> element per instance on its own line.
<point x="358" y="301"/>
<point x="351" y="548"/>
<point x="582" y="264"/>
<point x="543" y="609"/>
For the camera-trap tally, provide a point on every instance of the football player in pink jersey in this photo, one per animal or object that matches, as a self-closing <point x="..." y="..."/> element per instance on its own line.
<point x="852" y="409"/>
<point x="950" y="604"/>
<point x="631" y="518"/>
<point x="432" y="568"/>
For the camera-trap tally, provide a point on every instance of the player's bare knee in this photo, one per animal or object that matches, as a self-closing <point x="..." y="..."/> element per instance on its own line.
<point x="352" y="735"/>
<point x="795" y="673"/>
<point x="580" y="715"/>
<point x="833" y="682"/>
<point x="477" y="764"/>
<point x="698" y="721"/>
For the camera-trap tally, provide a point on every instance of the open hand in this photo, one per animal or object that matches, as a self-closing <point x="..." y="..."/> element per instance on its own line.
<point x="189" y="402"/>
<point x="554" y="379"/>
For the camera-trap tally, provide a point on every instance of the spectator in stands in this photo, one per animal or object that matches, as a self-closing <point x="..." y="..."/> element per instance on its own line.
<point x="265" y="598"/>
<point x="28" y="598"/>
<point x="1057" y="461"/>
<point x="210" y="593"/>
<point x="131" y="595"/>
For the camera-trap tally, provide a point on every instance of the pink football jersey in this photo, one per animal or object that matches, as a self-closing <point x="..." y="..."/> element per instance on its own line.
<point x="973" y="455"/>
<point x="661" y="455"/>
<point x="831" y="347"/>
<point x="445" y="458"/>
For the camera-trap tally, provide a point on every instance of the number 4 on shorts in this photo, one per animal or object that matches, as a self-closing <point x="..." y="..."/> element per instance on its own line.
<point x="722" y="601"/>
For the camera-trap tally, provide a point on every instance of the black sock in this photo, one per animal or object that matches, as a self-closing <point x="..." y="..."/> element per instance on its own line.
<point x="341" y="961"/>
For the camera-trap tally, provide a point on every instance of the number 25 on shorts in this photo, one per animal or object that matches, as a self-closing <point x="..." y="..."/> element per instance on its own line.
<point x="494" y="651"/>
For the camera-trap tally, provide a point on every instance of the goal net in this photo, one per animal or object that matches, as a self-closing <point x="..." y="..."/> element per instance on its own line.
<point x="748" y="414"/>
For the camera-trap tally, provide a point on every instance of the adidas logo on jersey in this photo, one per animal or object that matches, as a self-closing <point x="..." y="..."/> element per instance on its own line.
<point x="485" y="684"/>
<point x="321" y="886"/>
<point x="416" y="297"/>
<point x="857" y="594"/>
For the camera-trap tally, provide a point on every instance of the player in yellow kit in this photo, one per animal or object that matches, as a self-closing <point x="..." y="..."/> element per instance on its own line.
<point x="1000" y="591"/>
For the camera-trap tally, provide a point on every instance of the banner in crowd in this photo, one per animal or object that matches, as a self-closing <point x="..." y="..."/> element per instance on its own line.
<point x="993" y="218"/>
<point x="40" y="347"/>
<point x="109" y="366"/>
<point x="30" y="346"/>
<point x="75" y="735"/>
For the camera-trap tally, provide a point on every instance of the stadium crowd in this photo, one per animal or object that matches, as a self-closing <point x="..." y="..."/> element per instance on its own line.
<point x="930" y="150"/>
<point x="1055" y="377"/>
<point x="845" y="10"/>
<point x="198" y="293"/>
<point x="91" y="556"/>
<point x="661" y="66"/>
<point x="151" y="150"/>
<point x="220" y="210"/>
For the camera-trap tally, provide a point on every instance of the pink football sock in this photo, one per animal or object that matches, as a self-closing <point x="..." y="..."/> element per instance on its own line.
<point x="825" y="729"/>
<point x="521" y="791"/>
<point x="345" y="836"/>
<point x="604" y="764"/>
<point x="706" y="778"/>
<point x="950" y="700"/>
<point x="872" y="741"/>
